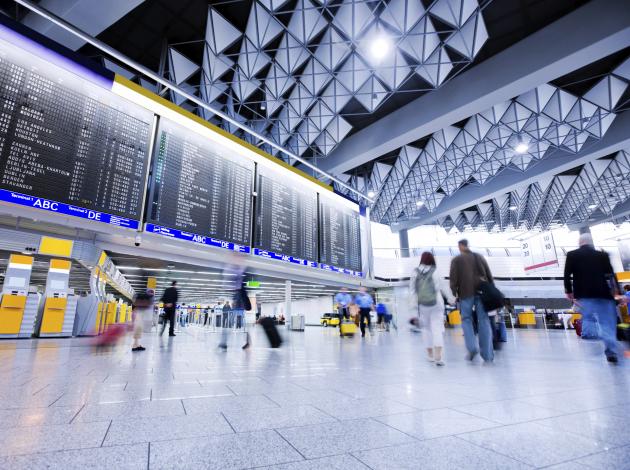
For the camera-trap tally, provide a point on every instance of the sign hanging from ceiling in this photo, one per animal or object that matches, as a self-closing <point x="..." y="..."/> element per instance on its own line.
<point x="539" y="252"/>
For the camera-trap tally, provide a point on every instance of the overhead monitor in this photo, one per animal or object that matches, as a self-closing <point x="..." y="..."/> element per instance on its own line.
<point x="286" y="216"/>
<point x="200" y="190"/>
<point x="67" y="143"/>
<point x="340" y="234"/>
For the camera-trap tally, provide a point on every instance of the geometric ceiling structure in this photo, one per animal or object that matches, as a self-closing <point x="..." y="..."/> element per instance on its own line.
<point x="515" y="134"/>
<point x="571" y="199"/>
<point x="295" y="71"/>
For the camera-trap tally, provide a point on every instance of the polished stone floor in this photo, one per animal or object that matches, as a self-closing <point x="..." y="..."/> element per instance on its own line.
<point x="550" y="400"/>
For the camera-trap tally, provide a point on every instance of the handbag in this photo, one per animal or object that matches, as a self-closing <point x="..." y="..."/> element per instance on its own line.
<point x="491" y="297"/>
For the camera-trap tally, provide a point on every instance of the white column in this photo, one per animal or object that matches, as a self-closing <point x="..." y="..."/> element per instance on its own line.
<point x="287" y="300"/>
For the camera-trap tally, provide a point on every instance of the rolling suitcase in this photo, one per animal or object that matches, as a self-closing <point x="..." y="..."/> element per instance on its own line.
<point x="271" y="331"/>
<point x="577" y="324"/>
<point x="348" y="328"/>
<point x="623" y="332"/>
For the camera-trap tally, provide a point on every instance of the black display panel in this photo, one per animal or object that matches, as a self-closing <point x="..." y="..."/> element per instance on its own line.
<point x="200" y="186"/>
<point x="66" y="138"/>
<point x="340" y="234"/>
<point x="286" y="217"/>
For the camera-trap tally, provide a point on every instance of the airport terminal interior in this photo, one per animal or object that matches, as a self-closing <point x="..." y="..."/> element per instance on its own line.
<point x="305" y="234"/>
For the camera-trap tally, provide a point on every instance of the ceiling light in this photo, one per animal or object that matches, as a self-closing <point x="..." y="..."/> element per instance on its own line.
<point x="592" y="206"/>
<point x="512" y="208"/>
<point x="521" y="148"/>
<point x="371" y="194"/>
<point x="380" y="46"/>
<point x="419" y="203"/>
<point x="263" y="106"/>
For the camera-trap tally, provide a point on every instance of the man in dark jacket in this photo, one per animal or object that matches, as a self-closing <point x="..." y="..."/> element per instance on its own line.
<point x="589" y="281"/>
<point x="169" y="299"/>
<point x="468" y="269"/>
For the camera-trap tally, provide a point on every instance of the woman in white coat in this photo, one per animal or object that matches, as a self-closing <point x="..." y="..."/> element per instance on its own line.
<point x="428" y="293"/>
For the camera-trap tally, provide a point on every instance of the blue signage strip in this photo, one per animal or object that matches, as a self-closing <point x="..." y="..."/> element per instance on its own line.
<point x="335" y="269"/>
<point x="195" y="238"/>
<point x="285" y="258"/>
<point x="66" y="209"/>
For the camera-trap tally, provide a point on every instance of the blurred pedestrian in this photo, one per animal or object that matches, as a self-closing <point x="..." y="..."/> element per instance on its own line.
<point x="365" y="302"/>
<point x="169" y="299"/>
<point x="429" y="290"/>
<point x="589" y="282"/>
<point x="468" y="271"/>
<point x="343" y="299"/>
<point x="142" y="314"/>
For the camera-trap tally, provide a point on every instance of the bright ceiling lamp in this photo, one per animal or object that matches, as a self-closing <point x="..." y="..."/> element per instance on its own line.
<point x="419" y="203"/>
<point x="371" y="194"/>
<point x="512" y="208"/>
<point x="521" y="147"/>
<point x="592" y="206"/>
<point x="379" y="47"/>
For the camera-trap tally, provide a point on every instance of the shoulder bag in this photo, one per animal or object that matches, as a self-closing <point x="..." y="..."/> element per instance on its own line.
<point x="491" y="297"/>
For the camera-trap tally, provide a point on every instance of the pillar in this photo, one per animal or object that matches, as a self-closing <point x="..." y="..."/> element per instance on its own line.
<point x="403" y="237"/>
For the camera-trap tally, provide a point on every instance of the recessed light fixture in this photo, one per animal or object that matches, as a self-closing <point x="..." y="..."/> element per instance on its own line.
<point x="371" y="194"/>
<point x="592" y="206"/>
<point x="521" y="148"/>
<point x="263" y="106"/>
<point x="419" y="203"/>
<point x="512" y="208"/>
<point x="380" y="46"/>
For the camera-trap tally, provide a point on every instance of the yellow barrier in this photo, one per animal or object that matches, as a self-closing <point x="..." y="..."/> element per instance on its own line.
<point x="454" y="318"/>
<point x="527" y="318"/>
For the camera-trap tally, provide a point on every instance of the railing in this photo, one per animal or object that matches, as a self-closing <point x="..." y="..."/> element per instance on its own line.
<point x="489" y="252"/>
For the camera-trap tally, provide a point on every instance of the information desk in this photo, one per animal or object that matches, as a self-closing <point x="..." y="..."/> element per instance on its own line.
<point x="68" y="142"/>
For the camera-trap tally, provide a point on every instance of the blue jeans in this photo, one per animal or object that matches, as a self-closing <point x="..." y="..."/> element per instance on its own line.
<point x="604" y="311"/>
<point x="484" y="327"/>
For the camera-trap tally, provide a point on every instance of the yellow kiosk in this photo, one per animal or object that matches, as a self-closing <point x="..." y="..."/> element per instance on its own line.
<point x="18" y="307"/>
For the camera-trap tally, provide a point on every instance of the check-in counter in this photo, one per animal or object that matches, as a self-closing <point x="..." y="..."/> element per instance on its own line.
<point x="17" y="303"/>
<point x="60" y="304"/>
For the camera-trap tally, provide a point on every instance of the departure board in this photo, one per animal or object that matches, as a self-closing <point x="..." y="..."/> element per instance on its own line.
<point x="286" y="218"/>
<point x="199" y="186"/>
<point x="340" y="239"/>
<point x="68" y="140"/>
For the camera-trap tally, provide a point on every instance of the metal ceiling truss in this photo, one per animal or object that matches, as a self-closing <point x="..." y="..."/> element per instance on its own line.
<point x="594" y="192"/>
<point x="290" y="73"/>
<point x="538" y="121"/>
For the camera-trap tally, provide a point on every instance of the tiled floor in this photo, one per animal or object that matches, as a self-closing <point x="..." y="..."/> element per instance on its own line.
<point x="549" y="401"/>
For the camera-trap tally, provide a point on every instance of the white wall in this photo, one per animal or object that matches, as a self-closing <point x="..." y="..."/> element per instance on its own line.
<point x="312" y="309"/>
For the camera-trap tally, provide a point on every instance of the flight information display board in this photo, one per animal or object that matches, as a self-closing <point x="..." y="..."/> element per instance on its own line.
<point x="200" y="190"/>
<point x="286" y="218"/>
<point x="67" y="144"/>
<point x="340" y="235"/>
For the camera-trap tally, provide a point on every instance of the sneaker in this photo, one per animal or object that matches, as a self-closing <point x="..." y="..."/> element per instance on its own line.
<point x="612" y="359"/>
<point x="172" y="334"/>
<point x="471" y="356"/>
<point x="139" y="348"/>
<point x="246" y="345"/>
<point x="439" y="363"/>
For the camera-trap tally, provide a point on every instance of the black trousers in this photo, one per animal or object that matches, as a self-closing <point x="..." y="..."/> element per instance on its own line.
<point x="364" y="313"/>
<point x="169" y="316"/>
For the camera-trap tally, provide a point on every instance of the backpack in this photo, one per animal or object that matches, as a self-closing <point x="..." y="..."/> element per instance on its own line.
<point x="425" y="288"/>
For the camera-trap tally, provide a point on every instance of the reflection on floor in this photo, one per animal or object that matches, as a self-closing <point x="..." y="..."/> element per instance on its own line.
<point x="550" y="400"/>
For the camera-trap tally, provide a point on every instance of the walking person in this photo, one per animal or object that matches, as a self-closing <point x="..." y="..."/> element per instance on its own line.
<point x="589" y="282"/>
<point x="343" y="299"/>
<point x="169" y="299"/>
<point x="142" y="315"/>
<point x="468" y="271"/>
<point x="364" y="301"/>
<point x="429" y="290"/>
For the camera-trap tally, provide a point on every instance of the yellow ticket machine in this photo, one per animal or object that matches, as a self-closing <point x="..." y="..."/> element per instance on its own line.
<point x="18" y="306"/>
<point x="60" y="303"/>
